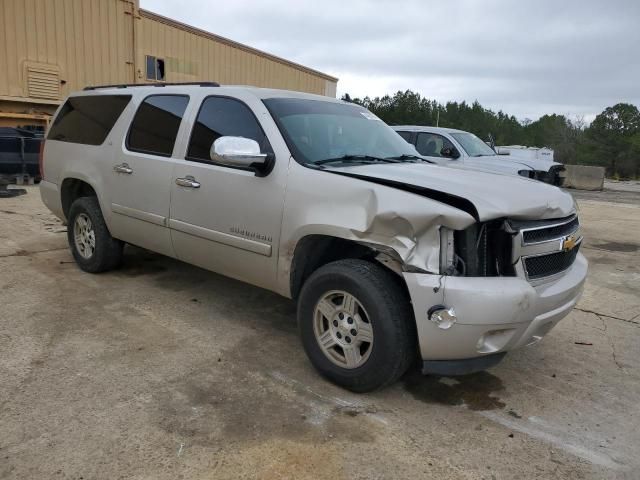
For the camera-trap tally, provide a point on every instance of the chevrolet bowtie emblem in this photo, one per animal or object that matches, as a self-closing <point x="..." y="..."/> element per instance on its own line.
<point x="568" y="243"/>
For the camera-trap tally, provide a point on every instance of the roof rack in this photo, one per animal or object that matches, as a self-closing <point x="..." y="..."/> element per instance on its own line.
<point x="127" y="85"/>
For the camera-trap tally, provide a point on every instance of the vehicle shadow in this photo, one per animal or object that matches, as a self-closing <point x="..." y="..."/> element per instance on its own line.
<point x="268" y="312"/>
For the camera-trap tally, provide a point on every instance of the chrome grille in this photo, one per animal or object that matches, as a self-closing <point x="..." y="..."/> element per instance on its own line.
<point x="543" y="234"/>
<point x="544" y="248"/>
<point x="546" y="265"/>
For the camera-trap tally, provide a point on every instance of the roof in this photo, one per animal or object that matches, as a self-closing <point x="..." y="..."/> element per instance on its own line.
<point x="423" y="128"/>
<point x="211" y="36"/>
<point x="147" y="88"/>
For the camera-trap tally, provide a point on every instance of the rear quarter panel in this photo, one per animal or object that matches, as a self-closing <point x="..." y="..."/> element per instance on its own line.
<point x="89" y="163"/>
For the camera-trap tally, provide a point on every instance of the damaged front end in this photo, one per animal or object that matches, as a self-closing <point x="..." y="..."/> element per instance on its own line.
<point x="481" y="250"/>
<point x="536" y="250"/>
<point x="482" y="276"/>
<point x="503" y="284"/>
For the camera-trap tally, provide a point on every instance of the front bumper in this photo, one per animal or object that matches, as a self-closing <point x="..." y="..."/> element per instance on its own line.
<point x="494" y="314"/>
<point x="450" y="368"/>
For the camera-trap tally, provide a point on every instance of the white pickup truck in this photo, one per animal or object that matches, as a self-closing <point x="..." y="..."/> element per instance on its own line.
<point x="390" y="257"/>
<point x="460" y="149"/>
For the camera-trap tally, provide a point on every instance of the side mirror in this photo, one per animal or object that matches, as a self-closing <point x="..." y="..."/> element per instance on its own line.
<point x="450" y="152"/>
<point x="241" y="152"/>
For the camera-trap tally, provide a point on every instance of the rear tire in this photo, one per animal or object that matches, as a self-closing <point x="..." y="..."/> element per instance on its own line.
<point x="92" y="246"/>
<point x="356" y="324"/>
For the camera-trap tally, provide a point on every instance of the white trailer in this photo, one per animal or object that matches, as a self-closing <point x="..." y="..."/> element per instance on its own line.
<point x="520" y="152"/>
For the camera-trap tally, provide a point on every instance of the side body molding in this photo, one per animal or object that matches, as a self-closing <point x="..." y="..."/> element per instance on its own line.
<point x="139" y="214"/>
<point x="220" y="237"/>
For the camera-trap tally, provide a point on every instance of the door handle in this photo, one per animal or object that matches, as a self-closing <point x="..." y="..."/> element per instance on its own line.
<point x="188" y="182"/>
<point x="123" y="168"/>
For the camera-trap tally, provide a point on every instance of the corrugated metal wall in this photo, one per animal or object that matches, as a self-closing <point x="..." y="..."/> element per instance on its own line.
<point x="49" y="48"/>
<point x="63" y="45"/>
<point x="192" y="55"/>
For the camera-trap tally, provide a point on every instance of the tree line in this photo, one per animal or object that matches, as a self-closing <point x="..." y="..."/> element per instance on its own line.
<point x="612" y="140"/>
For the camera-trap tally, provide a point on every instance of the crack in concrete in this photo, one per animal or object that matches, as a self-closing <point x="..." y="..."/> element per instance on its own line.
<point x="604" y="331"/>
<point x="632" y="320"/>
<point x="22" y="214"/>
<point x="25" y="253"/>
<point x="623" y="252"/>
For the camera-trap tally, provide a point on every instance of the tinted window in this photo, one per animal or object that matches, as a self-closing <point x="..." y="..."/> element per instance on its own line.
<point x="220" y="117"/>
<point x="155" y="126"/>
<point x="89" y="119"/>
<point x="405" y="135"/>
<point x="430" y="144"/>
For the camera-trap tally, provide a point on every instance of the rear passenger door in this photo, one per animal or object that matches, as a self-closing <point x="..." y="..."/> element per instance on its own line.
<point x="140" y="174"/>
<point x="229" y="220"/>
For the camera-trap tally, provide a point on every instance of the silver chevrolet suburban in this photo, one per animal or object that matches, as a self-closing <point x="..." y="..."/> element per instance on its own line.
<point x="388" y="255"/>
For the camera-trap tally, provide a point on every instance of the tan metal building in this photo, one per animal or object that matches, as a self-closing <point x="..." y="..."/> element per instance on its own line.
<point x="49" y="48"/>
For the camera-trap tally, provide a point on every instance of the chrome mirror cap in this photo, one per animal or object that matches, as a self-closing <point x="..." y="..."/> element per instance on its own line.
<point x="237" y="152"/>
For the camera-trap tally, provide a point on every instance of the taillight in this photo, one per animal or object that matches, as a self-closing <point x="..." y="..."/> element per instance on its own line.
<point x="41" y="159"/>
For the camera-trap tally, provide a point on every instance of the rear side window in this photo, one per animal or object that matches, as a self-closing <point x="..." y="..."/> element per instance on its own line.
<point x="155" y="126"/>
<point x="405" y="135"/>
<point x="88" y="120"/>
<point x="220" y="117"/>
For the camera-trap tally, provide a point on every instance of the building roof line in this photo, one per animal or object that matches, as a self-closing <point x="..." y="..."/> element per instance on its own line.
<point x="203" y="33"/>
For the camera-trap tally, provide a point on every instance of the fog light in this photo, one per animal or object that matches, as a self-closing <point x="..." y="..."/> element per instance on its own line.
<point x="442" y="316"/>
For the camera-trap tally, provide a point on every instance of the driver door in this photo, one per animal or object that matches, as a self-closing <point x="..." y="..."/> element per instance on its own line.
<point x="431" y="144"/>
<point x="222" y="218"/>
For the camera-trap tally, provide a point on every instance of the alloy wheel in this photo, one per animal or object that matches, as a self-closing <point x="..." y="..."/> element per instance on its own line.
<point x="342" y="329"/>
<point x="84" y="235"/>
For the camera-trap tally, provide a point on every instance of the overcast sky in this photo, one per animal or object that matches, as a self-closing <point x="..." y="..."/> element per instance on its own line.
<point x="526" y="58"/>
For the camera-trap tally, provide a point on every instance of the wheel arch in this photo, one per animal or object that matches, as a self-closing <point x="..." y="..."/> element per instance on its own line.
<point x="73" y="188"/>
<point x="316" y="250"/>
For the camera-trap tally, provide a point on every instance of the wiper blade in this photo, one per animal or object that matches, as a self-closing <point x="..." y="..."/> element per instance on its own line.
<point x="355" y="158"/>
<point x="405" y="156"/>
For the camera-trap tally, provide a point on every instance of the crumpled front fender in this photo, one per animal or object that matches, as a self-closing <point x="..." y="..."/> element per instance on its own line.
<point x="322" y="203"/>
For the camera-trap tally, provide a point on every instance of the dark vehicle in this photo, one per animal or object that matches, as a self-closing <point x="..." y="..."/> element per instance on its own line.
<point x="20" y="152"/>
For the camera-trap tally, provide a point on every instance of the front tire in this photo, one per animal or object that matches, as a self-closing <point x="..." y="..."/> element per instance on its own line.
<point x="92" y="246"/>
<point x="356" y="324"/>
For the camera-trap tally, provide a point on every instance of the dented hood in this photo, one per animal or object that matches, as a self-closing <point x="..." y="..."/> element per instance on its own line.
<point x="486" y="196"/>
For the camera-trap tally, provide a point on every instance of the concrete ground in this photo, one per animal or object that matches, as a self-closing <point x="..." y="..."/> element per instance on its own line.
<point x="162" y="370"/>
<point x="624" y="191"/>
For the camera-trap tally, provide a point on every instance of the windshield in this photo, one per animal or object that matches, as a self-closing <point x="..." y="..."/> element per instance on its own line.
<point x="473" y="145"/>
<point x="317" y="132"/>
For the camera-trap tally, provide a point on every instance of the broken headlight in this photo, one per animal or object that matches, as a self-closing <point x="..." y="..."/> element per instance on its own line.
<point x="484" y="250"/>
<point x="447" y="252"/>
